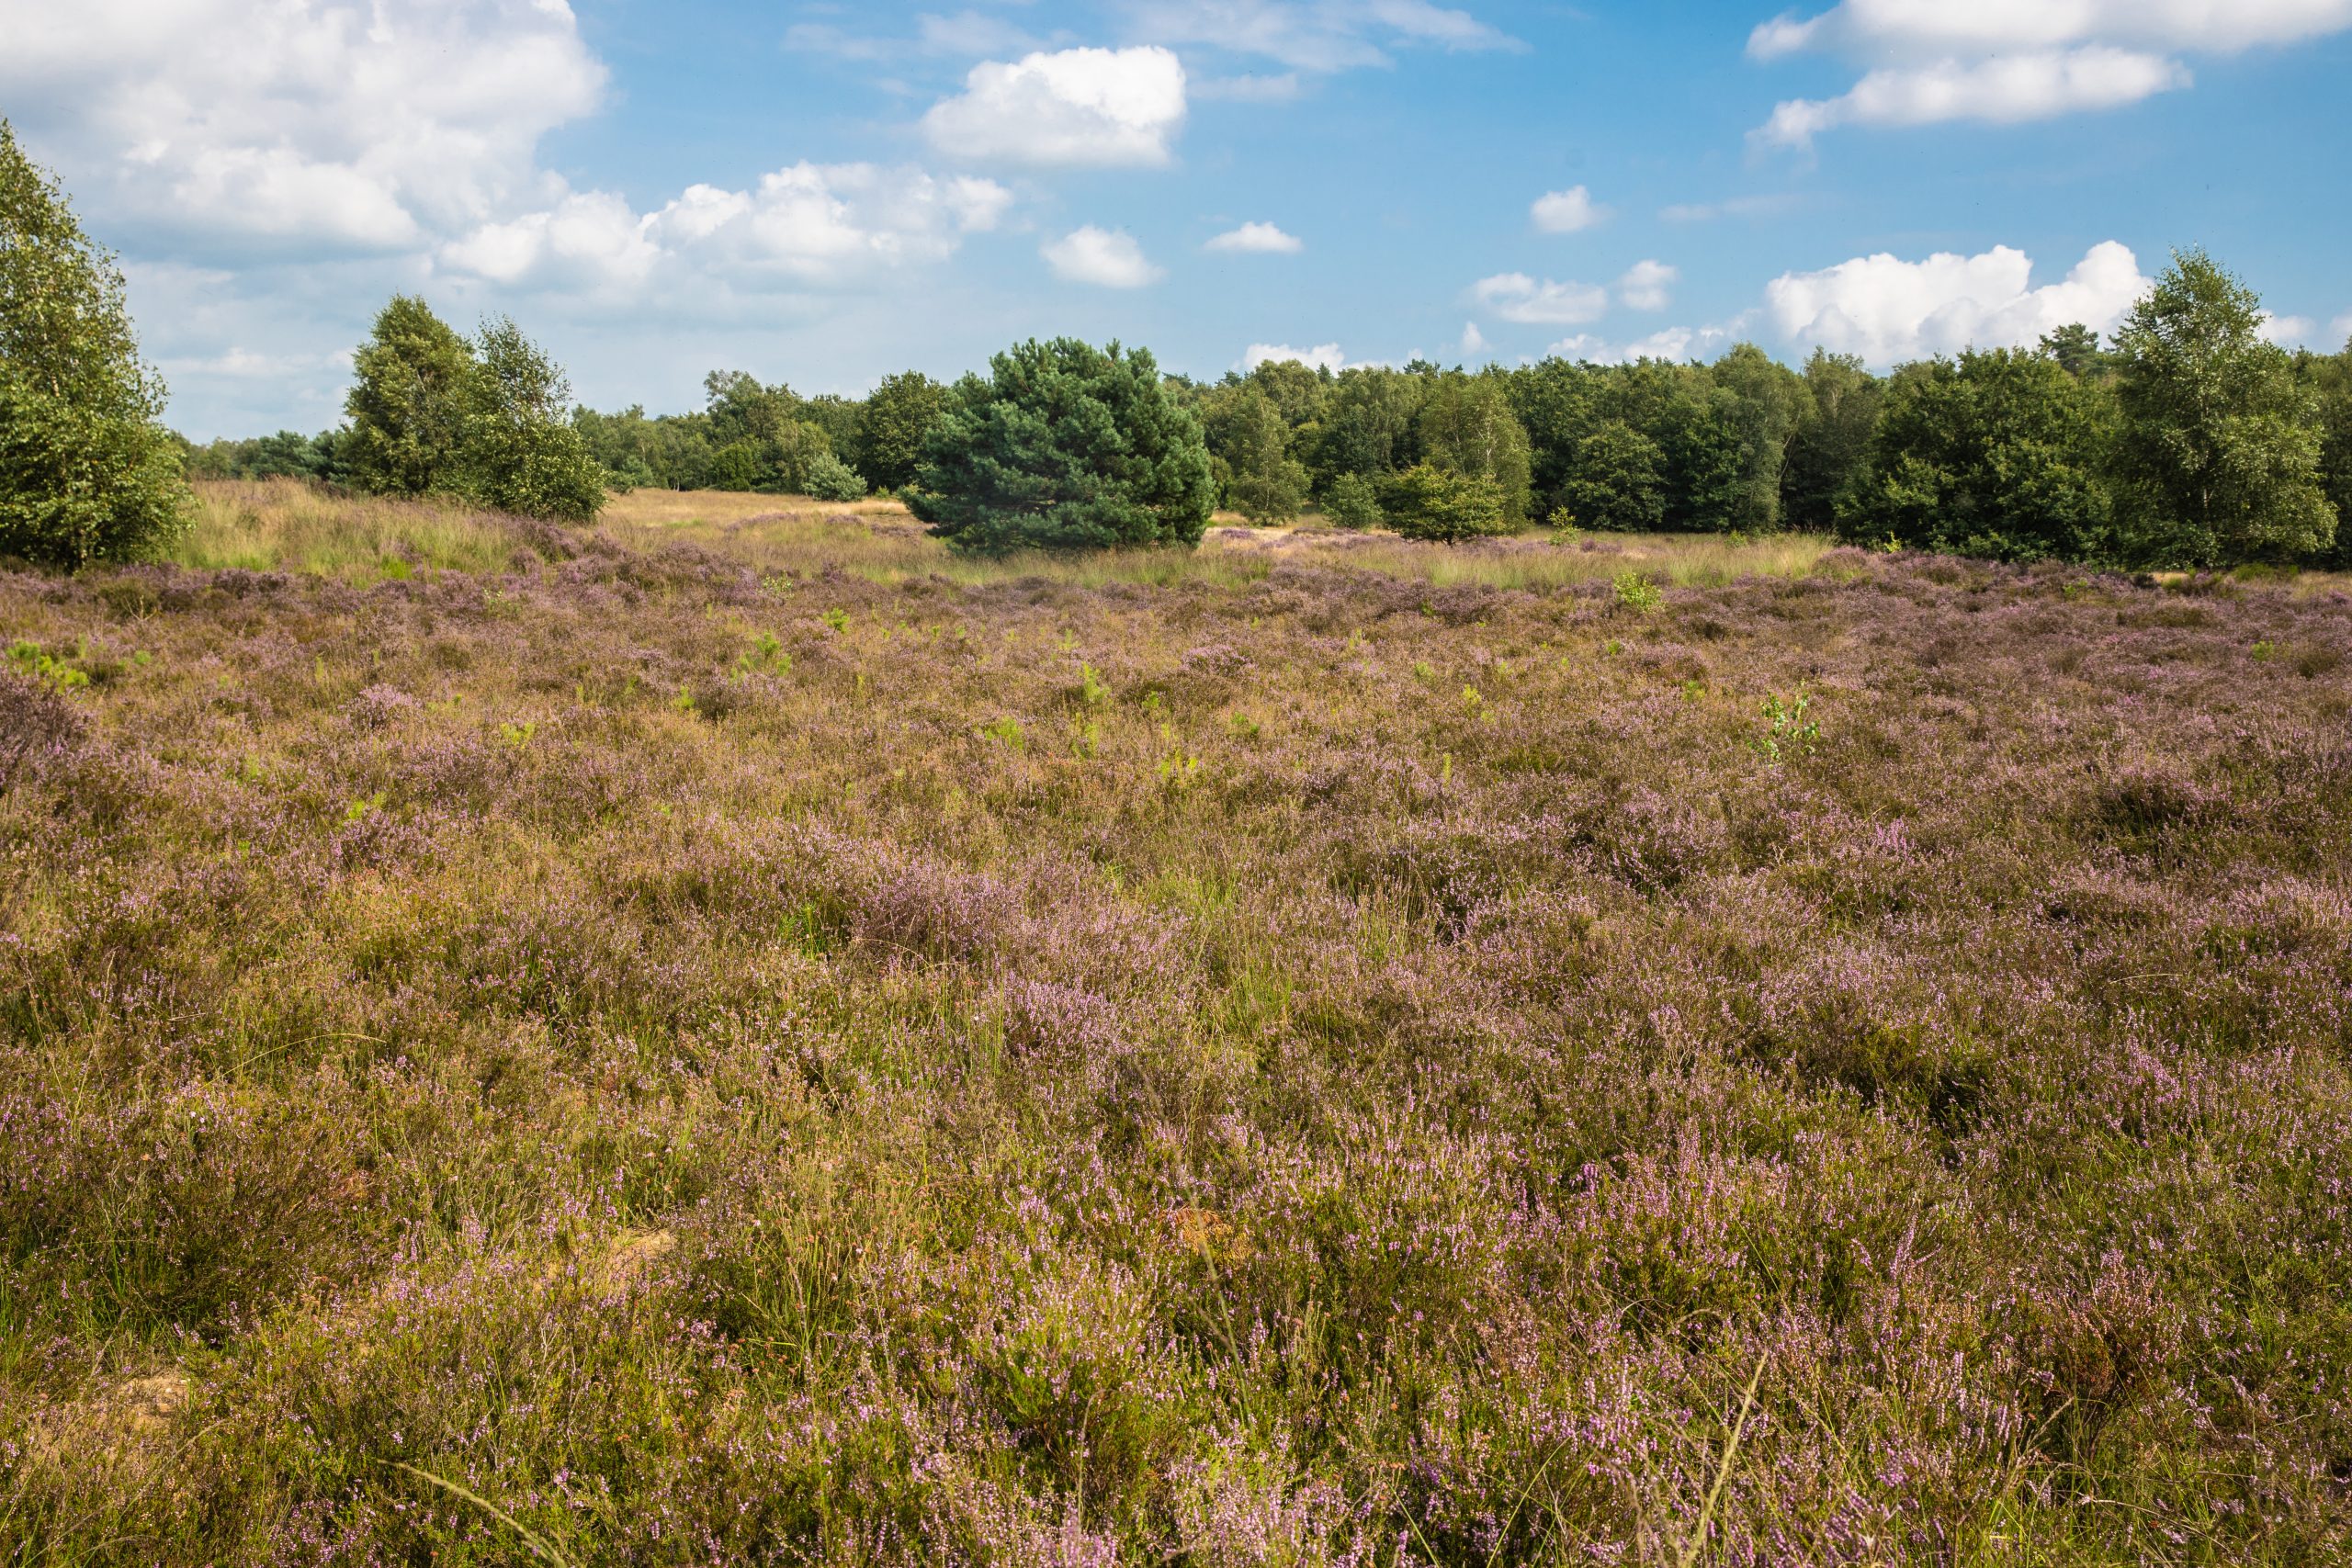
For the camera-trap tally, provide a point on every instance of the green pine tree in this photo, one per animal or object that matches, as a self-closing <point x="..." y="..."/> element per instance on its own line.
<point x="1065" y="446"/>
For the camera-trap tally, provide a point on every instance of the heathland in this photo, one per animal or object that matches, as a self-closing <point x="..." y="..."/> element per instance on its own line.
<point x="736" y="1035"/>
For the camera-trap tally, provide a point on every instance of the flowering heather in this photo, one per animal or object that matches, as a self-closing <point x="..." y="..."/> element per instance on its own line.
<point x="759" y="1043"/>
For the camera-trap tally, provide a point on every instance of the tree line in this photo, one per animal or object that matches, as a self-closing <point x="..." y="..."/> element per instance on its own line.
<point x="2186" y="439"/>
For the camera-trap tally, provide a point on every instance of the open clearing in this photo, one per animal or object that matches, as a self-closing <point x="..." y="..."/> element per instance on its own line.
<point x="734" y="1037"/>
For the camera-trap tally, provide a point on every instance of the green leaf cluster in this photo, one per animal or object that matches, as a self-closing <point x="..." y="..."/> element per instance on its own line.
<point x="87" y="471"/>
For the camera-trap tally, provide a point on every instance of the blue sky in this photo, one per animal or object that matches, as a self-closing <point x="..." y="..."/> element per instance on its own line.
<point x="823" y="193"/>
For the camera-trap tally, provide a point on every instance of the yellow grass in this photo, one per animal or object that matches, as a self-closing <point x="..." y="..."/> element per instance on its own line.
<point x="286" y="526"/>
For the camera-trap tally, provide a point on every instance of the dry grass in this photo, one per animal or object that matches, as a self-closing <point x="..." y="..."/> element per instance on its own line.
<point x="283" y="524"/>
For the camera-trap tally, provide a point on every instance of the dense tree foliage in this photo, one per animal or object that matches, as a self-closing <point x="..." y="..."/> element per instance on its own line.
<point x="1836" y="416"/>
<point x="287" y="455"/>
<point x="488" y="418"/>
<point x="408" y="402"/>
<point x="1250" y="442"/>
<point x="1615" y="482"/>
<point x="1999" y="455"/>
<point x="1064" y="445"/>
<point x="1467" y="429"/>
<point x="521" y="453"/>
<point x="2330" y="379"/>
<point x="2220" y="441"/>
<point x="892" y="424"/>
<point x="87" y="471"/>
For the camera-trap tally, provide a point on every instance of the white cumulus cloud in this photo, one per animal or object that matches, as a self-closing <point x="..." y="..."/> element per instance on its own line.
<point x="1648" y="286"/>
<point x="332" y="125"/>
<point x="1887" y="309"/>
<point x="2005" y="91"/>
<point x="1258" y="239"/>
<point x="1323" y="357"/>
<point x="810" y="224"/>
<point x="1077" y="108"/>
<point x="1927" y="27"/>
<point x="2289" y="331"/>
<point x="1515" y="297"/>
<point x="2340" y="328"/>
<point x="1568" y="211"/>
<point x="2013" y="60"/>
<point x="1105" y="258"/>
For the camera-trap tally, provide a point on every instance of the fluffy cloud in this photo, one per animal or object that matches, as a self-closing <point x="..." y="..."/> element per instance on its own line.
<point x="1926" y="28"/>
<point x="334" y="126"/>
<point x="1568" y="211"/>
<point x="1648" y="286"/>
<point x="1323" y="357"/>
<point x="1079" y="107"/>
<point x="1515" y="297"/>
<point x="1258" y="239"/>
<point x="1313" y="35"/>
<point x="2005" y="91"/>
<point x="2289" y="331"/>
<point x="810" y="224"/>
<point x="2340" y="328"/>
<point x="2010" y="60"/>
<point x="1886" y="310"/>
<point x="1473" y="342"/>
<point x="1102" y="257"/>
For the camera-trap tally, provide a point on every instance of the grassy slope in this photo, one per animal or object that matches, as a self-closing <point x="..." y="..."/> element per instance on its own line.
<point x="732" y="1039"/>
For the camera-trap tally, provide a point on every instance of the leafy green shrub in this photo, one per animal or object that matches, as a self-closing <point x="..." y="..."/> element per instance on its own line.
<point x="1065" y="446"/>
<point x="1353" y="502"/>
<point x="86" y="470"/>
<point x="1428" y="502"/>
<point x="829" y="479"/>
<point x="1636" y="593"/>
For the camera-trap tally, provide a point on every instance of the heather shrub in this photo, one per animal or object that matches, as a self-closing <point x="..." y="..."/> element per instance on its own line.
<point x="1381" y="1072"/>
<point x="38" y="726"/>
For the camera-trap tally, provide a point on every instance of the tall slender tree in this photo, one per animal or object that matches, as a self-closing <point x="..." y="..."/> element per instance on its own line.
<point x="2221" y="443"/>
<point x="409" y="401"/>
<point x="87" y="471"/>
